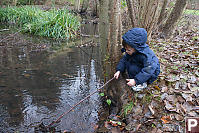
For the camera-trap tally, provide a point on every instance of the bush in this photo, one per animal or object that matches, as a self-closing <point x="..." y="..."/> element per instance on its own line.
<point x="53" y="23"/>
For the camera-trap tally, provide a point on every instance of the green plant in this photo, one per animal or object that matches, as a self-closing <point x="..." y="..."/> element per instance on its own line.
<point x="54" y="23"/>
<point x="147" y="98"/>
<point x="123" y="4"/>
<point x="25" y="2"/>
<point x="193" y="12"/>
<point x="101" y="94"/>
<point x="108" y="101"/>
<point x="153" y="125"/>
<point x="128" y="107"/>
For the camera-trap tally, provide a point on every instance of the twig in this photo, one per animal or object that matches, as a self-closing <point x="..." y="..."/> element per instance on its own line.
<point x="78" y="103"/>
<point x="4" y="30"/>
<point x="89" y="55"/>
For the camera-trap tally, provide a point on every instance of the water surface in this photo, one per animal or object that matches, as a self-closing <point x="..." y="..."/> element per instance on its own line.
<point x="38" y="84"/>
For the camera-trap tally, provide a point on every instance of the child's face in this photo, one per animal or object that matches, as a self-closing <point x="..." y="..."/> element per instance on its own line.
<point x="129" y="50"/>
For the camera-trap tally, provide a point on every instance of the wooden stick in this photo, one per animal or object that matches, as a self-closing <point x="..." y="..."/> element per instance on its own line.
<point x="78" y="103"/>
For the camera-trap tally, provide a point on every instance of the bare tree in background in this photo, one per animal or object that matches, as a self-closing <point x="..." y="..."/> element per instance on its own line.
<point x="173" y="18"/>
<point x="94" y="7"/>
<point x="114" y="24"/>
<point x="144" y="13"/>
<point x="14" y="3"/>
<point x="163" y="12"/>
<point x="84" y="6"/>
<point x="77" y="5"/>
<point x="103" y="25"/>
<point x="156" y="14"/>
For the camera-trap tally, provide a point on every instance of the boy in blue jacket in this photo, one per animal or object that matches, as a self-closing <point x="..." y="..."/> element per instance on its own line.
<point x="139" y="60"/>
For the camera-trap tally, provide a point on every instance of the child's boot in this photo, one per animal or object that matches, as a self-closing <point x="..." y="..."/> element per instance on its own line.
<point x="139" y="87"/>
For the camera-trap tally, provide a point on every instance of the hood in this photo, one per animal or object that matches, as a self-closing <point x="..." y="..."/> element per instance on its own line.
<point x="136" y="38"/>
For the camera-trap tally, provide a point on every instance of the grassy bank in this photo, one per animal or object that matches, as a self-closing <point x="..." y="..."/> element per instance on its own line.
<point x="192" y="12"/>
<point x="53" y="23"/>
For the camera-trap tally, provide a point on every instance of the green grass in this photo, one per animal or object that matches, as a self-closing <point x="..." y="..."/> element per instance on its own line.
<point x="53" y="23"/>
<point x="193" y="12"/>
<point x="128" y="108"/>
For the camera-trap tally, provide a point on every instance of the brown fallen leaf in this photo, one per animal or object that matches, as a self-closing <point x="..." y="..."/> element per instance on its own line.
<point x="159" y="131"/>
<point x="157" y="88"/>
<point x="168" y="106"/>
<point x="27" y="75"/>
<point x="179" y="117"/>
<point x="138" y="126"/>
<point x="166" y="119"/>
<point x="178" y="107"/>
<point x="164" y="89"/>
<point x="187" y="97"/>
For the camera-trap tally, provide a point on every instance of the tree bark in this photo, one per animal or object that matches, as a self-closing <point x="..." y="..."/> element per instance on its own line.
<point x="173" y="18"/>
<point x="163" y="12"/>
<point x="114" y="24"/>
<point x="144" y="13"/>
<point x="77" y="5"/>
<point x="84" y="6"/>
<point x="103" y="25"/>
<point x="131" y="12"/>
<point x="14" y="2"/>
<point x="93" y="6"/>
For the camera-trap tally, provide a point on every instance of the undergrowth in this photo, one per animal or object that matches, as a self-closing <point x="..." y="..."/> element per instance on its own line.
<point x="53" y="23"/>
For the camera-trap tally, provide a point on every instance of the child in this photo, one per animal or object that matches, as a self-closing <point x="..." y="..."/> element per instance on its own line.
<point x="139" y="60"/>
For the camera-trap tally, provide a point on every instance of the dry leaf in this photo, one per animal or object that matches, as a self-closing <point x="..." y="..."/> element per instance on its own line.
<point x="164" y="89"/>
<point x="178" y="108"/>
<point x="152" y="111"/>
<point x="138" y="126"/>
<point x="168" y="106"/>
<point x="157" y="88"/>
<point x="179" y="117"/>
<point x="26" y="75"/>
<point x="166" y="119"/>
<point x="187" y="97"/>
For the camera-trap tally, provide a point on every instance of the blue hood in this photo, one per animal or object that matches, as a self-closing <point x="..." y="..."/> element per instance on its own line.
<point x="143" y="65"/>
<point x="136" y="38"/>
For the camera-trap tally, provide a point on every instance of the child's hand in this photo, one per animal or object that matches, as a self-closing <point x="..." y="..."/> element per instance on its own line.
<point x="117" y="74"/>
<point x="131" y="82"/>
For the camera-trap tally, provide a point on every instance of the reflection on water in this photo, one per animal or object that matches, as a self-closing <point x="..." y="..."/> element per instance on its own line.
<point x="40" y="86"/>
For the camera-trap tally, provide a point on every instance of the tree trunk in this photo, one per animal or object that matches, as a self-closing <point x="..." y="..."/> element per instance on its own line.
<point x="93" y="5"/>
<point x="131" y="12"/>
<point x="173" y="18"/>
<point x="103" y="24"/>
<point x="14" y="2"/>
<point x="84" y="6"/>
<point x="163" y="12"/>
<point x="120" y="29"/>
<point x="144" y="13"/>
<point x="77" y="5"/>
<point x="114" y="25"/>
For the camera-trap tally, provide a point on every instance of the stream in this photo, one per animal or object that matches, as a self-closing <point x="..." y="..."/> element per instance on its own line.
<point x="40" y="79"/>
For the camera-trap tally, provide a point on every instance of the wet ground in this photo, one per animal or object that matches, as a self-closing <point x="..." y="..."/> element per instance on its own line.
<point x="41" y="78"/>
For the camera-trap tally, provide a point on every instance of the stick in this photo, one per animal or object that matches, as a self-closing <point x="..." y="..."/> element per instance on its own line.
<point x="78" y="103"/>
<point x="3" y="30"/>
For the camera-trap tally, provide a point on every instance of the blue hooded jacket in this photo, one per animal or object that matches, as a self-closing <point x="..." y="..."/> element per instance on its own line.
<point x="142" y="65"/>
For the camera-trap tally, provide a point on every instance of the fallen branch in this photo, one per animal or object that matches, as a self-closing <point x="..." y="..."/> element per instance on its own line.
<point x="78" y="103"/>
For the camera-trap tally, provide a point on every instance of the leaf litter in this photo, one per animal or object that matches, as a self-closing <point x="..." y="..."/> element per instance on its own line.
<point x="174" y="95"/>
